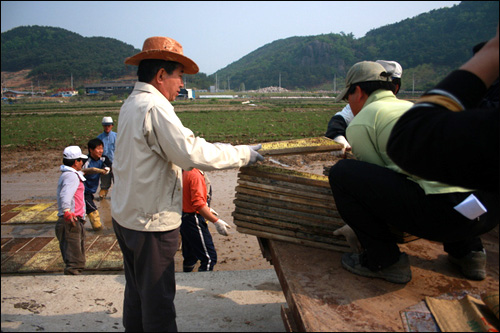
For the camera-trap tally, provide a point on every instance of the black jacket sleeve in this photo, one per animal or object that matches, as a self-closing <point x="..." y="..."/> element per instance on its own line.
<point x="107" y="162"/>
<point x="336" y="126"/>
<point x="457" y="148"/>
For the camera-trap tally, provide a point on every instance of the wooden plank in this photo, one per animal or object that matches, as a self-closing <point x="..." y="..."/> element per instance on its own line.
<point x="292" y="176"/>
<point x="8" y="207"/>
<point x="287" y="205"/>
<point x="284" y="226"/>
<point x="24" y="216"/>
<point x="39" y="262"/>
<point x="287" y="317"/>
<point x="285" y="191"/>
<point x="98" y="250"/>
<point x="6" y="240"/>
<point x="46" y="216"/>
<point x="270" y="229"/>
<point x="8" y="215"/>
<point x="36" y="244"/>
<point x="299" y="146"/>
<point x="23" y="207"/>
<point x="288" y="215"/>
<point x="286" y="184"/>
<point x="293" y="240"/>
<point x="16" y="261"/>
<point x="287" y="198"/>
<point x="318" y="225"/>
<point x="16" y="245"/>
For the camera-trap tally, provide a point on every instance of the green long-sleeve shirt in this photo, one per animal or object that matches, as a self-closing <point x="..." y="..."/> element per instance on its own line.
<point x="369" y="132"/>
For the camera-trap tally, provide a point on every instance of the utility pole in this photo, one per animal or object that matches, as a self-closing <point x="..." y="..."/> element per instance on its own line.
<point x="216" y="84"/>
<point x="413" y="89"/>
<point x="71" y="81"/>
<point x="334" y="82"/>
<point x="280" y="82"/>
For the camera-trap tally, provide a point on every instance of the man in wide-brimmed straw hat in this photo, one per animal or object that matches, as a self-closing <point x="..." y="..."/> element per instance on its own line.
<point x="152" y="148"/>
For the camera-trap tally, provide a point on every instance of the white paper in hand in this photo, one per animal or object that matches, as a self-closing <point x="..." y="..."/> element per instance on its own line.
<point x="471" y="207"/>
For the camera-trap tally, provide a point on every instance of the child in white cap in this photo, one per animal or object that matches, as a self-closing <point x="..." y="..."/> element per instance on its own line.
<point x="71" y="211"/>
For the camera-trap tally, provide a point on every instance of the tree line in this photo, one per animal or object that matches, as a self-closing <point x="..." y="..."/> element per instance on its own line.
<point x="428" y="47"/>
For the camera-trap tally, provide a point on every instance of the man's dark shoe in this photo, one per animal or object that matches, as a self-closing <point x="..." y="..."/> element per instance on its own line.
<point x="72" y="271"/>
<point x="398" y="272"/>
<point x="472" y="266"/>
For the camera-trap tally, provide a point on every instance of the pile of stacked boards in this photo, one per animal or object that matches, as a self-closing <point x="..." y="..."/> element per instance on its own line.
<point x="284" y="204"/>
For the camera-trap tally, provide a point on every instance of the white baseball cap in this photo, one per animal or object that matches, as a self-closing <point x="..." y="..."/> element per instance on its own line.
<point x="107" y="121"/>
<point x="392" y="67"/>
<point x="73" y="153"/>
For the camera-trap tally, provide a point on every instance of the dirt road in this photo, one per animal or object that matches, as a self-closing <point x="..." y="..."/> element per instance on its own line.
<point x="31" y="176"/>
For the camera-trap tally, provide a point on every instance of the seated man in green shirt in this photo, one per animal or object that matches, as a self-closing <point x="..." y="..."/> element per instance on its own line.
<point x="373" y="194"/>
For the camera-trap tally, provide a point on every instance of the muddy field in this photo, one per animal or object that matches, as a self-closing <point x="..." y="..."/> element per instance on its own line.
<point x="31" y="176"/>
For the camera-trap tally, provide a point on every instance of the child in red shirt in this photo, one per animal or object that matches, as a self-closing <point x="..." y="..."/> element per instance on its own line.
<point x="197" y="243"/>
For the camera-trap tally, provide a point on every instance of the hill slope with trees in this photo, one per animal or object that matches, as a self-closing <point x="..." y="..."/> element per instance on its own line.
<point x="428" y="46"/>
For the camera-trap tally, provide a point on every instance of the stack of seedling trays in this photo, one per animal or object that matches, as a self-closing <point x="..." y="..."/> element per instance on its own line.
<point x="284" y="204"/>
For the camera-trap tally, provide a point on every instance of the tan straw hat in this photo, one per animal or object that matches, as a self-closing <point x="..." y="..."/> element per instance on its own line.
<point x="163" y="48"/>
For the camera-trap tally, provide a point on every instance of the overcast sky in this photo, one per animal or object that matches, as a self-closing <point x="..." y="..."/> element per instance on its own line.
<point x="213" y="34"/>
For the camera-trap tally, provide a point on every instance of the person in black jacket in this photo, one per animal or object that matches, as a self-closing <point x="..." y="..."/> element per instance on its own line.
<point x="452" y="135"/>
<point x="447" y="135"/>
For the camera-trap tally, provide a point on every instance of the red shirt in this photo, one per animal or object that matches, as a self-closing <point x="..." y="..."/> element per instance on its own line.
<point x="194" y="192"/>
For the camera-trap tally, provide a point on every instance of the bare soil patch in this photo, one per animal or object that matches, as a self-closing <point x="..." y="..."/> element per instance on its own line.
<point x="31" y="176"/>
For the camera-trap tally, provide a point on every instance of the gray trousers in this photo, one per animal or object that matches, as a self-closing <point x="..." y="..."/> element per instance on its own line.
<point x="148" y="261"/>
<point x="71" y="243"/>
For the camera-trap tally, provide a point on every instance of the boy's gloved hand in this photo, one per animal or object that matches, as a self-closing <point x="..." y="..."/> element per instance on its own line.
<point x="222" y="227"/>
<point x="351" y="238"/>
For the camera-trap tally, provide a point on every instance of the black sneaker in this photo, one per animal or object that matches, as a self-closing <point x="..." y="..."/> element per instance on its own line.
<point x="472" y="266"/>
<point x="398" y="272"/>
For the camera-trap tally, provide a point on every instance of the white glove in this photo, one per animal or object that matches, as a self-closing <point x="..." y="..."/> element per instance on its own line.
<point x="341" y="140"/>
<point x="222" y="227"/>
<point x="107" y="170"/>
<point x="254" y="155"/>
<point x="351" y="238"/>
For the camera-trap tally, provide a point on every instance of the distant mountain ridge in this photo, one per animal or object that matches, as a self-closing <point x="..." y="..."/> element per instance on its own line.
<point x="428" y="46"/>
<point x="53" y="54"/>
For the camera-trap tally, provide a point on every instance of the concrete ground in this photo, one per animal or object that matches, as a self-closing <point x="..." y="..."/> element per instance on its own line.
<point x="220" y="301"/>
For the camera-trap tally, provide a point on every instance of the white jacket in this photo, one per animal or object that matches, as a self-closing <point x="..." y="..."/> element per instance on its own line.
<point x="152" y="148"/>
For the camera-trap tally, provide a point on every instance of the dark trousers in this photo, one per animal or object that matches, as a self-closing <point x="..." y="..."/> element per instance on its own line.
<point x="72" y="244"/>
<point x="370" y="198"/>
<point x="89" y="202"/>
<point x="106" y="181"/>
<point x="148" y="260"/>
<point x="197" y="243"/>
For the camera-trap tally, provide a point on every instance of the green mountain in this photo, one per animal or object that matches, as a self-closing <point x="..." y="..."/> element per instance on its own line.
<point x="428" y="46"/>
<point x="53" y="54"/>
